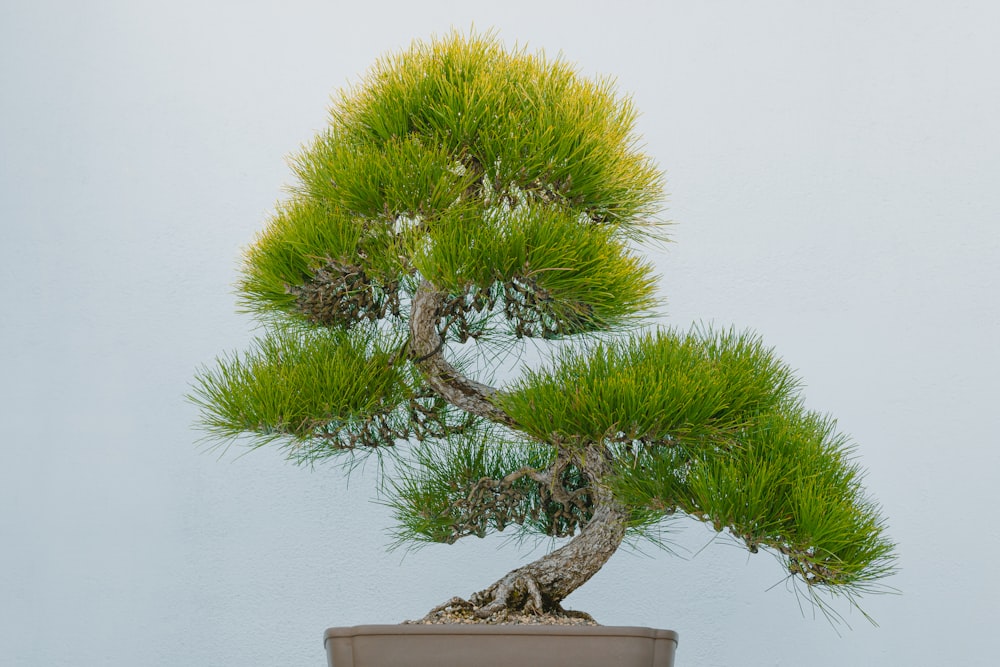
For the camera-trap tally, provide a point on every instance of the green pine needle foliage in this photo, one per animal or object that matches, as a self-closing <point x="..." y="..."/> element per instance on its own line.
<point x="517" y="189"/>
<point x="578" y="277"/>
<point x="452" y="490"/>
<point x="478" y="169"/>
<point x="526" y="122"/>
<point x="658" y="387"/>
<point x="711" y="424"/>
<point x="320" y="392"/>
<point x="302" y="237"/>
<point x="785" y="482"/>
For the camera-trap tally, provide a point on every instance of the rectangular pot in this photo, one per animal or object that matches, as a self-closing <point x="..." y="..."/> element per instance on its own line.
<point x="480" y="645"/>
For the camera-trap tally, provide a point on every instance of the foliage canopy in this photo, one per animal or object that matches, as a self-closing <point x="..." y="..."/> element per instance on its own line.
<point x="508" y="192"/>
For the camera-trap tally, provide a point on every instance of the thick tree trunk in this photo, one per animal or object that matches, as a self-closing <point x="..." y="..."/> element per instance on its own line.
<point x="541" y="586"/>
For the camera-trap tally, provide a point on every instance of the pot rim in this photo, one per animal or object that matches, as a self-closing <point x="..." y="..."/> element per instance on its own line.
<point x="500" y="629"/>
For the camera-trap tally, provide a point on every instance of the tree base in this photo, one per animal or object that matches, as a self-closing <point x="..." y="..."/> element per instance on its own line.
<point x="458" y="610"/>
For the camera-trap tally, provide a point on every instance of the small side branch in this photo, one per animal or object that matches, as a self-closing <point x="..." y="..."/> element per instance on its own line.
<point x="542" y="477"/>
<point x="526" y="495"/>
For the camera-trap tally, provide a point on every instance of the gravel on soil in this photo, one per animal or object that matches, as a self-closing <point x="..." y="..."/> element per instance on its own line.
<point x="466" y="616"/>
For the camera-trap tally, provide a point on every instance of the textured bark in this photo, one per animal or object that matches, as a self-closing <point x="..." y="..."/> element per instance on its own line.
<point x="426" y="344"/>
<point x="538" y="587"/>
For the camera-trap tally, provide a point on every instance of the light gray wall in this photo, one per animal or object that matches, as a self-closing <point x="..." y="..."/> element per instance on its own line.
<point x="833" y="170"/>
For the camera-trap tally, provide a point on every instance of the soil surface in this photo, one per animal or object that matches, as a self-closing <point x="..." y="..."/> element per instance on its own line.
<point x="466" y="616"/>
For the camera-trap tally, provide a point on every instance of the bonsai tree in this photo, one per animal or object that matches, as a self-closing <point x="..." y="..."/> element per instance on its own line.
<point x="463" y="198"/>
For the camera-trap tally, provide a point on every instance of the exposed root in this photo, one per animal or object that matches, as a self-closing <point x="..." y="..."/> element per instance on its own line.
<point x="573" y="613"/>
<point x="450" y="606"/>
<point x="516" y="591"/>
<point x="460" y="611"/>
<point x="517" y="598"/>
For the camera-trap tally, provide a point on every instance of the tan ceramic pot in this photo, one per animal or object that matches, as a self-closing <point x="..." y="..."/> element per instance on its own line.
<point x="459" y="645"/>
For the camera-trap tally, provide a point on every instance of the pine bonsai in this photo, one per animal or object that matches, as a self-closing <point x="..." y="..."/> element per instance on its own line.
<point x="465" y="197"/>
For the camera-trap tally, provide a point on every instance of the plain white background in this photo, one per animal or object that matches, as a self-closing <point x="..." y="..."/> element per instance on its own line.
<point x="833" y="172"/>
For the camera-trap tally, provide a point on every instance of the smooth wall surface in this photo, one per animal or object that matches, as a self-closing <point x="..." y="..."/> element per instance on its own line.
<point x="833" y="171"/>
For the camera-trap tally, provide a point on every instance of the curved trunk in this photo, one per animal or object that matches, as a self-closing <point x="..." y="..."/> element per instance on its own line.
<point x="538" y="587"/>
<point x="426" y="343"/>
